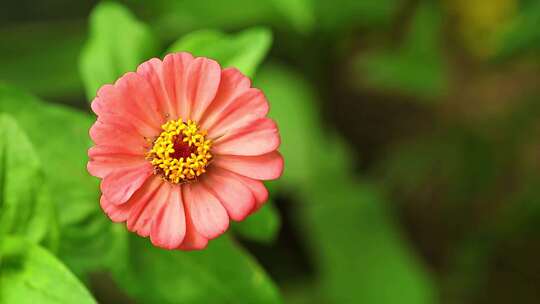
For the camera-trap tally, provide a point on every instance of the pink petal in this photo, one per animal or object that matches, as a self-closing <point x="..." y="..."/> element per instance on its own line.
<point x="193" y="240"/>
<point x="244" y="109"/>
<point x="234" y="195"/>
<point x="169" y="225"/>
<point x="257" y="137"/>
<point x="119" y="151"/>
<point x="117" y="213"/>
<point x="152" y="71"/>
<point x="263" y="167"/>
<point x="232" y="84"/>
<point x="129" y="99"/>
<point x="121" y="213"/>
<point x="174" y="78"/>
<point x="202" y="81"/>
<point x="117" y="133"/>
<point x="141" y="218"/>
<point x="119" y="186"/>
<point x="257" y="188"/>
<point x="106" y="160"/>
<point x="208" y="215"/>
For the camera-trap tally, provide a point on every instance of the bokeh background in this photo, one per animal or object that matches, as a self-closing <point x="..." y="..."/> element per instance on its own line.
<point x="410" y="130"/>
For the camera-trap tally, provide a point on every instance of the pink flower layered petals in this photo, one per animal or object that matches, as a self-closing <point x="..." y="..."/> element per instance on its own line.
<point x="130" y="114"/>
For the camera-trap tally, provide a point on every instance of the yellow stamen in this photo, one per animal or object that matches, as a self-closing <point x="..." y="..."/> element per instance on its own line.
<point x="191" y="156"/>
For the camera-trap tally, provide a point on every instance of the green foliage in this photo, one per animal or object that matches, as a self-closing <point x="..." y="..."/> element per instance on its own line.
<point x="522" y="34"/>
<point x="244" y="50"/>
<point x="261" y="226"/>
<point x="359" y="250"/>
<point x="30" y="274"/>
<point x="222" y="273"/>
<point x="117" y="44"/>
<point x="342" y="14"/>
<point x="60" y="137"/>
<point x="300" y="13"/>
<point x="303" y="16"/>
<point x="42" y="57"/>
<point x="416" y="68"/>
<point x="360" y="253"/>
<point x="25" y="206"/>
<point x="60" y="145"/>
<point x="176" y="18"/>
<point x="459" y="160"/>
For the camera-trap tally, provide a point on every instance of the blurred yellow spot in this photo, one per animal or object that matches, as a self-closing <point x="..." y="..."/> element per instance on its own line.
<point x="181" y="152"/>
<point x="479" y="22"/>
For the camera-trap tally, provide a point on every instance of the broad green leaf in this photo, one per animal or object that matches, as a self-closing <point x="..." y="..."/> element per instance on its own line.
<point x="42" y="57"/>
<point x="94" y="244"/>
<point x="222" y="273"/>
<point x="25" y="206"/>
<point x="29" y="274"/>
<point x="60" y="137"/>
<point x="244" y="50"/>
<point x="417" y="67"/>
<point x="117" y="44"/>
<point x="261" y="226"/>
<point x="361" y="256"/>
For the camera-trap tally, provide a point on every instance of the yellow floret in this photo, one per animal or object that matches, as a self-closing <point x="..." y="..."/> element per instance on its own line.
<point x="180" y="170"/>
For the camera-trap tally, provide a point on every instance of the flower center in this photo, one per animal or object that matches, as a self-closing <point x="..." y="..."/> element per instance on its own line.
<point x="181" y="152"/>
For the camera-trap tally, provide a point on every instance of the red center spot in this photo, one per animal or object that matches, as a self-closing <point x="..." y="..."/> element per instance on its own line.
<point x="182" y="149"/>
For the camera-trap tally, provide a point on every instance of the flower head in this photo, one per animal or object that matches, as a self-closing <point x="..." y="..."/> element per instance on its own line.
<point x="181" y="146"/>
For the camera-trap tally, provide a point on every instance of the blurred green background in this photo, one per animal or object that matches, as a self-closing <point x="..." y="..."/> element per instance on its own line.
<point x="410" y="131"/>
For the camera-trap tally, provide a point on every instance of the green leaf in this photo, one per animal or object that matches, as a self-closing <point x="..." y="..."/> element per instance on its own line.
<point x="222" y="273"/>
<point x="244" y="50"/>
<point x="417" y="67"/>
<point x="30" y="274"/>
<point x="60" y="137"/>
<point x="94" y="244"/>
<point x="262" y="226"/>
<point x="25" y="206"/>
<point x="118" y="43"/>
<point x="300" y="13"/>
<point x="362" y="257"/>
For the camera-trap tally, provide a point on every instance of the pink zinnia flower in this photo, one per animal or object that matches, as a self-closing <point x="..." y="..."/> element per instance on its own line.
<point x="181" y="146"/>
